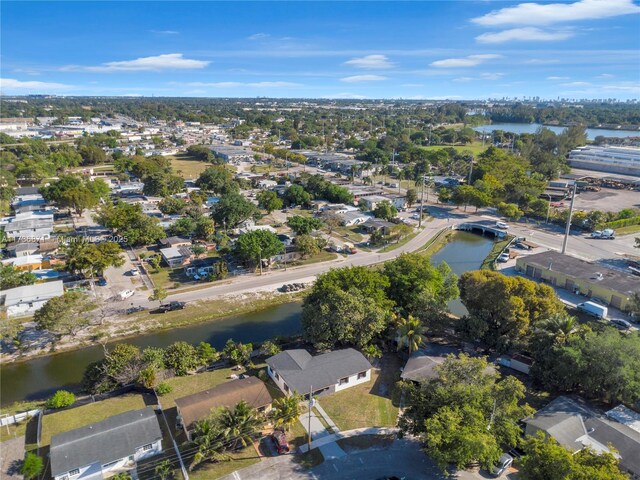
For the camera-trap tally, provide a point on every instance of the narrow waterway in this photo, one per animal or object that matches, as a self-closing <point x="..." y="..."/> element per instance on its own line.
<point x="40" y="377"/>
<point x="520" y="128"/>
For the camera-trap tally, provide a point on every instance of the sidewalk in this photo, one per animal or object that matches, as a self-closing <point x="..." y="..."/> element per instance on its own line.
<point x="327" y="439"/>
<point x="313" y="425"/>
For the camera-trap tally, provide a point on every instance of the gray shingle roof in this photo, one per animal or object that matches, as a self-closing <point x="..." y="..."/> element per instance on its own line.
<point x="625" y="440"/>
<point x="300" y="370"/>
<point x="111" y="439"/>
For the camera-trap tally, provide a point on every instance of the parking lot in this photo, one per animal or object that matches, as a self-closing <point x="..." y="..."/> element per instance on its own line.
<point x="606" y="200"/>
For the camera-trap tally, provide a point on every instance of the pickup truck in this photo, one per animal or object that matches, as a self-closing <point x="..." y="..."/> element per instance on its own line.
<point x="171" y="306"/>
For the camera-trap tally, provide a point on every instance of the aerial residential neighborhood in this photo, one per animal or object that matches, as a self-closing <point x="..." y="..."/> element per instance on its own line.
<point x="309" y="240"/>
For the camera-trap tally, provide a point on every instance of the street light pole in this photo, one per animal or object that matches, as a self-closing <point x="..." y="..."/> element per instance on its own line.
<point x="568" y="227"/>
<point x="548" y="207"/>
<point x="421" y="204"/>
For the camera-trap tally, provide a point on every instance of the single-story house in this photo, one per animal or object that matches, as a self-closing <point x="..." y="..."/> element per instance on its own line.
<point x="579" y="276"/>
<point x="28" y="262"/>
<point x="174" y="242"/>
<point x="355" y="217"/>
<point x="176" y="256"/>
<point x="378" y="225"/>
<point x="422" y="363"/>
<point x="31" y="225"/>
<point x="25" y="300"/>
<point x="253" y="228"/>
<point x="200" y="405"/>
<point x="518" y="362"/>
<point x="105" y="448"/>
<point x="370" y="202"/>
<point x="22" y="249"/>
<point x="575" y="425"/>
<point x="267" y="184"/>
<point x="290" y="254"/>
<point x="298" y="371"/>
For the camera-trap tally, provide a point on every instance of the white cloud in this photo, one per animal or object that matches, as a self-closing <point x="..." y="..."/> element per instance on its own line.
<point x="13" y="84"/>
<point x="576" y="84"/>
<point x="363" y="78"/>
<point x="463" y="79"/>
<point x="412" y="85"/>
<point x="605" y="75"/>
<point x="165" y="32"/>
<point x="370" y="62"/>
<point x="168" y="61"/>
<point x="524" y="34"/>
<point x="242" y="84"/>
<point x="258" y="36"/>
<point x="554" y="78"/>
<point x="550" y="13"/>
<point x="491" y="76"/>
<point x="470" y="61"/>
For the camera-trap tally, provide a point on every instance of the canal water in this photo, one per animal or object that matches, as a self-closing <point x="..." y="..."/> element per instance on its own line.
<point x="519" y="128"/>
<point x="40" y="377"/>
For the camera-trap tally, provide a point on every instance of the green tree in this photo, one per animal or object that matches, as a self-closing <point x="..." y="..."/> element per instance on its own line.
<point x="181" y="357"/>
<point x="257" y="245"/>
<point x="412" y="196"/>
<point x="99" y="188"/>
<point x="162" y="184"/>
<point x="332" y="221"/>
<point x="89" y="258"/>
<point x="545" y="458"/>
<point x="217" y="180"/>
<point x="172" y="206"/>
<point x="232" y="209"/>
<point x="385" y="210"/>
<point x="204" y="229"/>
<point x="11" y="277"/>
<point x="503" y="309"/>
<point x="128" y="221"/>
<point x="445" y="195"/>
<point x="163" y="470"/>
<point x="296" y="195"/>
<point x="410" y="333"/>
<point x="32" y="466"/>
<point x="61" y="399"/>
<point x="240" y="424"/>
<point x="510" y="210"/>
<point x="269" y="200"/>
<point x="210" y="440"/>
<point x="238" y="353"/>
<point x="206" y="353"/>
<point x="65" y="315"/>
<point x="286" y="411"/>
<point x="307" y="245"/>
<point x="466" y="413"/>
<point x="158" y="295"/>
<point x="269" y="348"/>
<point x="79" y="199"/>
<point x="304" y="225"/>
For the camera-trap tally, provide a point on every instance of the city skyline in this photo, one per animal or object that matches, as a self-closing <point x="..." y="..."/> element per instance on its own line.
<point x="411" y="50"/>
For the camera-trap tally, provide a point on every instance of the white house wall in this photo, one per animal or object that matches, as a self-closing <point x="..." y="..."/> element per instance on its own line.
<point x="353" y="381"/>
<point x="88" y="472"/>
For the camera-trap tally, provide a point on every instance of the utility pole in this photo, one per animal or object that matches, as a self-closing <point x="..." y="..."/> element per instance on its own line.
<point x="310" y="407"/>
<point x="470" y="170"/>
<point x="568" y="227"/>
<point x="421" y="203"/>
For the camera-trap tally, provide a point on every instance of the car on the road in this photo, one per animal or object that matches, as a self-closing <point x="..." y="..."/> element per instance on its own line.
<point x="124" y="294"/>
<point x="102" y="282"/>
<point x="504" y="257"/>
<point x="502" y="466"/>
<point x="132" y="310"/>
<point x="279" y="440"/>
<point x="621" y="323"/>
<point x="606" y="234"/>
<point x="171" y="306"/>
<point x="502" y="225"/>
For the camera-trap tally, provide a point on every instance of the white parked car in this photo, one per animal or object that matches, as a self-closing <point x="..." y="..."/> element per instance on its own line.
<point x="124" y="294"/>
<point x="502" y="466"/>
<point x="502" y="225"/>
<point x="504" y="257"/>
<point x="135" y="272"/>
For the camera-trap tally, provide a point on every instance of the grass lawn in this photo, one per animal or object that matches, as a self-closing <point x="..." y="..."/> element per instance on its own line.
<point x="240" y="459"/>
<point x="437" y="243"/>
<point x="349" y="233"/>
<point x="489" y="262"/>
<point x="627" y="230"/>
<point x="187" y="166"/>
<point x="66" y="420"/>
<point x="475" y="147"/>
<point x="190" y="384"/>
<point x="394" y="245"/>
<point x="13" y="430"/>
<point x="370" y="404"/>
<point x="166" y="277"/>
<point x="323" y="256"/>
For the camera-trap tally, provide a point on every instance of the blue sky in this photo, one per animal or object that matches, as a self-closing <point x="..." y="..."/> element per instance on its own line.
<point x="418" y="50"/>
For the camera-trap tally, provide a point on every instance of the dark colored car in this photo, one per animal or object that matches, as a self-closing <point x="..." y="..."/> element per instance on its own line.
<point x="279" y="440"/>
<point x="133" y="310"/>
<point x="101" y="282"/>
<point x="171" y="306"/>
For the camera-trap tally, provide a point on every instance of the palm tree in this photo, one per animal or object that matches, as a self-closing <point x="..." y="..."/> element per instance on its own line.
<point x="240" y="424"/>
<point x="410" y="332"/>
<point x="210" y="440"/>
<point x="560" y="327"/>
<point x="286" y="411"/>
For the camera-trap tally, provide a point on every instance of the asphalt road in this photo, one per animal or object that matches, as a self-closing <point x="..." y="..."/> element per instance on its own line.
<point x="546" y="236"/>
<point x="403" y="459"/>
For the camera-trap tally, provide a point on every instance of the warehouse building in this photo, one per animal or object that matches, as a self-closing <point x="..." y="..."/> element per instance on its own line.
<point x="622" y="160"/>
<point x="579" y="276"/>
